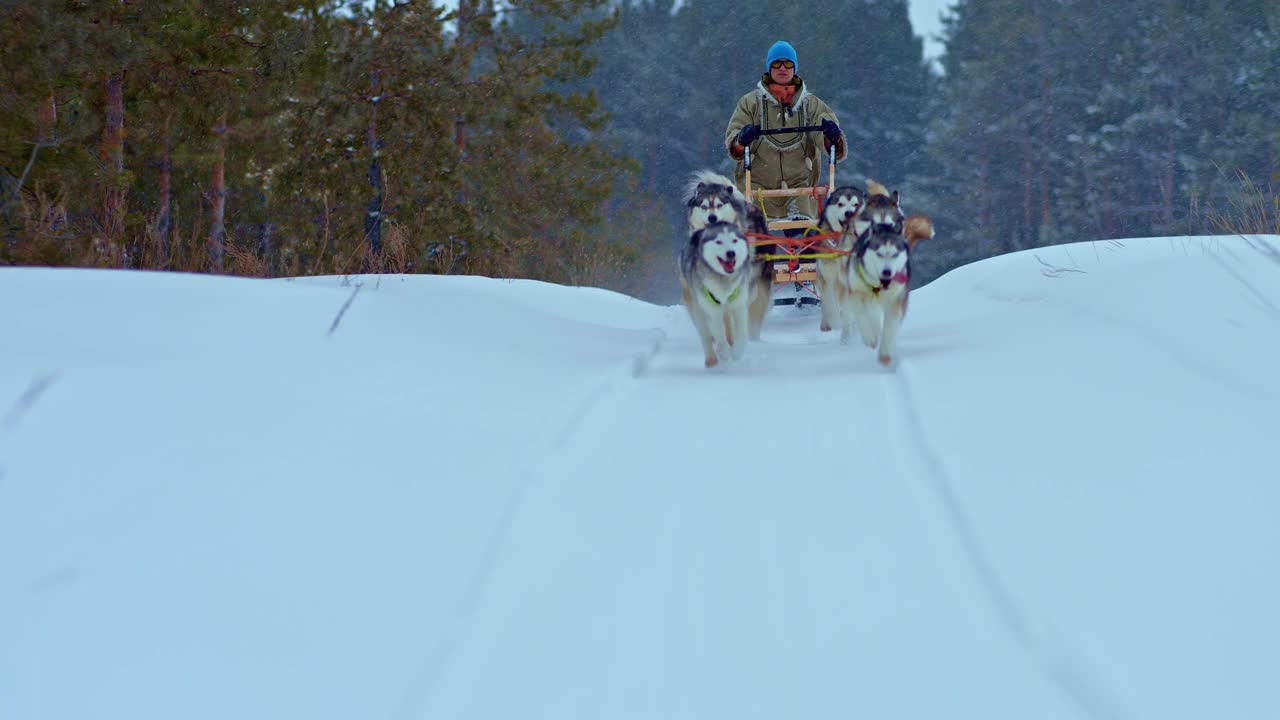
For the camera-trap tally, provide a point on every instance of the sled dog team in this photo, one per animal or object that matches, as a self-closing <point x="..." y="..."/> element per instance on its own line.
<point x="728" y="290"/>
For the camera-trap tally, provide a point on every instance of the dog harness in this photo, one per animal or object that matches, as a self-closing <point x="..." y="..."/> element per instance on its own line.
<point x="732" y="296"/>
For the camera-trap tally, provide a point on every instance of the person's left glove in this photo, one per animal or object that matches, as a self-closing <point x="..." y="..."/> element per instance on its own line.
<point x="830" y="130"/>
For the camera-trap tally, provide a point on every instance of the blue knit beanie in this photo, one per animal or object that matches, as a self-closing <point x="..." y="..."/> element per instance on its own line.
<point x="781" y="50"/>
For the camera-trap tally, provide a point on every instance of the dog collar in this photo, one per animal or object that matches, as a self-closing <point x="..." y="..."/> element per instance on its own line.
<point x="732" y="296"/>
<point x="876" y="286"/>
<point x="862" y="273"/>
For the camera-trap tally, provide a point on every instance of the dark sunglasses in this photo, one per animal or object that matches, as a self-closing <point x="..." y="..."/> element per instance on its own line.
<point x="782" y="64"/>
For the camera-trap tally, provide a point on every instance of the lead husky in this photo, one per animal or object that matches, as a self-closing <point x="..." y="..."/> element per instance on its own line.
<point x="842" y="207"/>
<point x="875" y="282"/>
<point x="711" y="198"/>
<point x="880" y="282"/>
<point x="715" y="282"/>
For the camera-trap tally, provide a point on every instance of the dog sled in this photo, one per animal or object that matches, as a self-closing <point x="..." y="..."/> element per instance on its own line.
<point x="794" y="253"/>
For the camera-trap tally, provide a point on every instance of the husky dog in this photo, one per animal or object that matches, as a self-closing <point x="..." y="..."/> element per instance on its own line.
<point x="880" y="283"/>
<point x="711" y="198"/>
<point x="875" y="280"/>
<point x="879" y="208"/>
<point x="842" y="207"/>
<point x="715" y="282"/>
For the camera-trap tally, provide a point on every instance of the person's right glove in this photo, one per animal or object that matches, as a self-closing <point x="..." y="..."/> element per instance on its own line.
<point x="748" y="135"/>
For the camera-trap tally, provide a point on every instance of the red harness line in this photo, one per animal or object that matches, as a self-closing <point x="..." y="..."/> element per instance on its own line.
<point x="755" y="238"/>
<point x="798" y="246"/>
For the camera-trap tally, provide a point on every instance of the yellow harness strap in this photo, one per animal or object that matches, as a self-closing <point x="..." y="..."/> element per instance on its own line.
<point x="862" y="273"/>
<point x="732" y="296"/>
<point x="805" y="256"/>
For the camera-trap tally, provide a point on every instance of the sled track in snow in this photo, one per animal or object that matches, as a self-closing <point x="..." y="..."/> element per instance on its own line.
<point x="416" y="698"/>
<point x="1063" y="667"/>
<point x="27" y="399"/>
<point x="1134" y="330"/>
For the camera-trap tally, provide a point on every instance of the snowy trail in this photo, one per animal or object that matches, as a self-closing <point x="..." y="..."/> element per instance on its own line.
<point x="812" y="512"/>
<point x="464" y="498"/>
<point x="1064" y="667"/>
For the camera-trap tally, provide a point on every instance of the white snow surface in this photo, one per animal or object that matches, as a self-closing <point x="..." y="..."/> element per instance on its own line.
<point x="488" y="499"/>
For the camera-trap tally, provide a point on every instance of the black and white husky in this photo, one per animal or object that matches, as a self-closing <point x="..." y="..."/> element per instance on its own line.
<point x="875" y="281"/>
<point x="842" y="206"/>
<point x="715" y="280"/>
<point x="713" y="198"/>
<point x="880" y="277"/>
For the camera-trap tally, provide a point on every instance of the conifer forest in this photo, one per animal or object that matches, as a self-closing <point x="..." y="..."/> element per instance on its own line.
<point x="552" y="139"/>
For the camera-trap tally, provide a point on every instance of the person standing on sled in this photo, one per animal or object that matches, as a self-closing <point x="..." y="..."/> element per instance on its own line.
<point x="781" y="100"/>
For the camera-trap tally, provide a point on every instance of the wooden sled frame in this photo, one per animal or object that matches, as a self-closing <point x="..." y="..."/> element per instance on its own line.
<point x="803" y="267"/>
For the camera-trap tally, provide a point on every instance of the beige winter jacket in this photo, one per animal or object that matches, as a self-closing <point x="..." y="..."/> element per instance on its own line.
<point x="788" y="159"/>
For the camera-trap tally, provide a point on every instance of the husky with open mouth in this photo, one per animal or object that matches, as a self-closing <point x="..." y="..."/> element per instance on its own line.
<point x="716" y="273"/>
<point x="879" y="278"/>
<point x="711" y="198"/>
<point x="875" y="280"/>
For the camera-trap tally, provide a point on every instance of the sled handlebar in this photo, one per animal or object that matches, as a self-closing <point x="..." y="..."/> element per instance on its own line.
<point x="831" y="168"/>
<point x="784" y="131"/>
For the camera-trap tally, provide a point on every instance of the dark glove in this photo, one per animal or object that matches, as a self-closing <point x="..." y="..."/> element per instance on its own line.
<point x="748" y="135"/>
<point x="830" y="130"/>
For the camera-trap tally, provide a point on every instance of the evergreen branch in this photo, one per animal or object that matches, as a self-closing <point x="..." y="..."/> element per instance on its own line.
<point x="245" y="40"/>
<point x="224" y="71"/>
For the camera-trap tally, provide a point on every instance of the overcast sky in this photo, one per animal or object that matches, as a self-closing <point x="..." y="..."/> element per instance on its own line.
<point x="925" y="19"/>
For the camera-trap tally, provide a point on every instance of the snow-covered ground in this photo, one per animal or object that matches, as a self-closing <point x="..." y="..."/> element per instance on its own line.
<point x="464" y="498"/>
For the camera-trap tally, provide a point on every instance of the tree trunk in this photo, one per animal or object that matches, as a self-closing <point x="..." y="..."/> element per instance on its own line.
<point x="1028" y="175"/>
<point x="111" y="153"/>
<point x="47" y="121"/>
<point x="465" y="9"/>
<point x="984" y="204"/>
<point x="164" y="221"/>
<point x="373" y="218"/>
<point x="464" y="24"/>
<point x="218" y="198"/>
<point x="1045" y="116"/>
<point x="1166" y="179"/>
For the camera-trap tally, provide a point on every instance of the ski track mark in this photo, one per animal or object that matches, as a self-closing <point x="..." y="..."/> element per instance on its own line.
<point x="644" y="360"/>
<point x="343" y="310"/>
<point x="1138" y="332"/>
<point x="416" y="698"/>
<point x="1264" y="303"/>
<point x="1060" y="664"/>
<point x="34" y="390"/>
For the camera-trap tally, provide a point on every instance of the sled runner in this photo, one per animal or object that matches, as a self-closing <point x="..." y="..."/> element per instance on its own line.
<point x="802" y="243"/>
